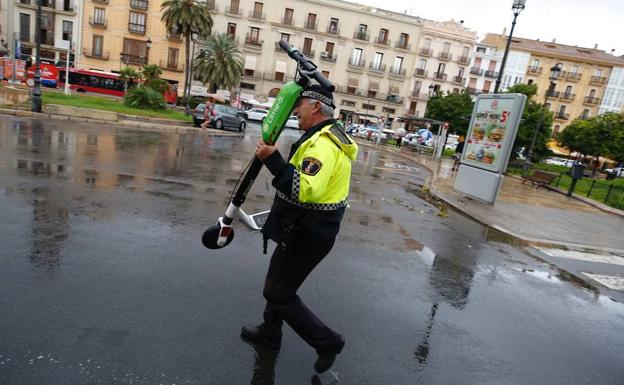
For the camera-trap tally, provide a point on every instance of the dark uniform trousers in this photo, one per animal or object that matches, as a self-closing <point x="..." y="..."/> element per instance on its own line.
<point x="290" y="264"/>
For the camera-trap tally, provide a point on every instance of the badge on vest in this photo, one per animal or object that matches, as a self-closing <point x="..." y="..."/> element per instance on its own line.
<point x="311" y="166"/>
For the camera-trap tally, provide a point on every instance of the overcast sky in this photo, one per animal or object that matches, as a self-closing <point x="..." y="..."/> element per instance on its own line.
<point x="574" y="22"/>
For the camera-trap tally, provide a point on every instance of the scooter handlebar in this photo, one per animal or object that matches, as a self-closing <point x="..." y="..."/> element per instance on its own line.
<point x="307" y="65"/>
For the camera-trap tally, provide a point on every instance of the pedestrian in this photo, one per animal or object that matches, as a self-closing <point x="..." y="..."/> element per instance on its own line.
<point x="312" y="188"/>
<point x="458" y="152"/>
<point x="207" y="113"/>
<point x="399" y="134"/>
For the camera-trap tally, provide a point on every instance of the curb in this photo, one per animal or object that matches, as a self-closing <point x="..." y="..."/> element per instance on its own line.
<point x="135" y="124"/>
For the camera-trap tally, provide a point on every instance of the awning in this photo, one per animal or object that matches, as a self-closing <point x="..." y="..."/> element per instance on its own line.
<point x="373" y="86"/>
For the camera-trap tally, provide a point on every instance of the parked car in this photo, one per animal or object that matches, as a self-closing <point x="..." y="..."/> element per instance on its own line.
<point x="222" y="117"/>
<point x="618" y="171"/>
<point x="256" y="114"/>
<point x="559" y="161"/>
<point x="293" y="122"/>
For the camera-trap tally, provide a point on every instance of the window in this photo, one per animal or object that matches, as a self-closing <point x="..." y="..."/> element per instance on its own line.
<point x="377" y="61"/>
<point x="231" y="30"/>
<point x="575" y="69"/>
<point x="24" y="27"/>
<point x="325" y="74"/>
<point x="592" y="93"/>
<point x="68" y="5"/>
<point x="362" y="29"/>
<point x="68" y="27"/>
<point x="427" y="43"/>
<point x="383" y="36"/>
<point x="481" y="49"/>
<point x="536" y="63"/>
<point x="285" y="37"/>
<point x="329" y="48"/>
<point x="307" y="46"/>
<point x="422" y="64"/>
<point x="311" y="22"/>
<point x="234" y="6"/>
<point x="557" y="128"/>
<point x="466" y="51"/>
<point x="279" y="76"/>
<point x="172" y="58"/>
<point x="288" y="16"/>
<point x="139" y="4"/>
<point x="356" y="56"/>
<point x="403" y="40"/>
<point x="247" y="86"/>
<point x="460" y="73"/>
<point x="447" y="47"/>
<point x="134" y="51"/>
<point x="137" y="22"/>
<point x="397" y="65"/>
<point x="333" y="25"/>
<point x="568" y="90"/>
<point x="492" y="65"/>
<point x="598" y="72"/>
<point x="368" y="107"/>
<point x="257" y="12"/>
<point x="97" y="45"/>
<point x="487" y="85"/>
<point x="586" y="113"/>
<point x="530" y="82"/>
<point x="249" y="72"/>
<point x="441" y="68"/>
<point x="254" y="35"/>
<point x="562" y="110"/>
<point x="99" y="16"/>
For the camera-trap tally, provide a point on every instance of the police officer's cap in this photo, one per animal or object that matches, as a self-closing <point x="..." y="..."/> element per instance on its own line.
<point x="319" y="93"/>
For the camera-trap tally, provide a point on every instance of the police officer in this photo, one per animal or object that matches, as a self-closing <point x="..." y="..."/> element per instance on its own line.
<point x="312" y="188"/>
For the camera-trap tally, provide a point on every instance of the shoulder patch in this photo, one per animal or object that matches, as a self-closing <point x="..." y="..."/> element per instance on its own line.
<point x="311" y="166"/>
<point x="340" y="134"/>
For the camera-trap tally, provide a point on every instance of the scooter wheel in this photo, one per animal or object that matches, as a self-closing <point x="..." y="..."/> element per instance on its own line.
<point x="211" y="236"/>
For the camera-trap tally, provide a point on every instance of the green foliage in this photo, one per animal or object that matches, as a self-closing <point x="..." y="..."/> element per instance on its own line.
<point x="219" y="64"/>
<point x="601" y="135"/>
<point x="454" y="108"/>
<point x="159" y="85"/>
<point x="127" y="74"/>
<point x="151" y="72"/>
<point x="534" y="115"/>
<point x="146" y="98"/>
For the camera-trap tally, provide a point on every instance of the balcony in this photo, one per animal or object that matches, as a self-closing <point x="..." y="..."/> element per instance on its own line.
<point x="391" y="98"/>
<point x="133" y="59"/>
<point x="597" y="80"/>
<point x="357" y="63"/>
<point x="255" y="15"/>
<point x="591" y="100"/>
<point x="375" y="67"/>
<point x="90" y="53"/>
<point x="333" y="29"/>
<point x="458" y="80"/>
<point x="472" y="91"/>
<point x="567" y="97"/>
<point x="445" y="56"/>
<point x="476" y="71"/>
<point x="398" y="71"/>
<point x="253" y="42"/>
<point x="140" y="5"/>
<point x="573" y="76"/>
<point x="309" y="53"/>
<point x="425" y="52"/>
<point x="287" y="20"/>
<point x="463" y="60"/>
<point x="382" y="41"/>
<point x="100" y="1"/>
<point x="491" y="74"/>
<point x="403" y="45"/>
<point x="328" y="56"/>
<point x="534" y="70"/>
<point x="561" y="116"/>
<point x="351" y="90"/>
<point x="136" y="28"/>
<point x="175" y="36"/>
<point x="251" y="74"/>
<point x="176" y="67"/>
<point x="311" y="25"/>
<point x="274" y="77"/>
<point x="234" y="11"/>
<point x="47" y="3"/>
<point x="439" y="76"/>
<point x="420" y="73"/>
<point x="553" y="94"/>
<point x="97" y="22"/>
<point x="361" y="36"/>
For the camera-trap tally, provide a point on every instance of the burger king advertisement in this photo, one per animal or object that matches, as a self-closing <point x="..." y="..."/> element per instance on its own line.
<point x="491" y="133"/>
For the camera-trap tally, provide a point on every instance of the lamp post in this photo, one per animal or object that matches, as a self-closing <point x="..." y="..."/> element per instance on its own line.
<point x="187" y="97"/>
<point x="148" y="44"/>
<point x="554" y="75"/>
<point x="429" y="94"/>
<point x="36" y="93"/>
<point x="516" y="7"/>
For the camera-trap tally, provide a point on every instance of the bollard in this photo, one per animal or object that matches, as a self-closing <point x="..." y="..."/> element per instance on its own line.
<point x="608" y="193"/>
<point x="559" y="179"/>
<point x="591" y="187"/>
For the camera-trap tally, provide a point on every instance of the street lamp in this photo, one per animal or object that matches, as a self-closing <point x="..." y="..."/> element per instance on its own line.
<point x="555" y="71"/>
<point x="187" y="97"/>
<point x="430" y="94"/>
<point x="148" y="44"/>
<point x="516" y="7"/>
<point x="36" y="93"/>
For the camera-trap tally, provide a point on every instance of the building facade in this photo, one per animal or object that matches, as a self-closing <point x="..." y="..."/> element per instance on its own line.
<point x="582" y="82"/>
<point x="119" y="33"/>
<point x="613" y="100"/>
<point x="60" y="27"/>
<point x="371" y="55"/>
<point x="484" y="67"/>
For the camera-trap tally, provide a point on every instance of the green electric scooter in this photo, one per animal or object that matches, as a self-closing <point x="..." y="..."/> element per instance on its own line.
<point x="222" y="233"/>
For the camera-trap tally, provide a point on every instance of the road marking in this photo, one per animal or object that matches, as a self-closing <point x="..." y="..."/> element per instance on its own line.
<point x="580" y="256"/>
<point x="615" y="282"/>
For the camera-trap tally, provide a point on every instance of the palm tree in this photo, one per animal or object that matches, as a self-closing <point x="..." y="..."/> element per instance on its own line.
<point x="126" y="74"/>
<point x="151" y="72"/>
<point x="186" y="17"/>
<point x="219" y="64"/>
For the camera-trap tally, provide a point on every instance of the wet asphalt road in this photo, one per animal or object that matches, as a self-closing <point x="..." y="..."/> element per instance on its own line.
<point x="104" y="280"/>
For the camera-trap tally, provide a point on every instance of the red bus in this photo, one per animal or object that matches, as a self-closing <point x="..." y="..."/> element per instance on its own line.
<point x="94" y="81"/>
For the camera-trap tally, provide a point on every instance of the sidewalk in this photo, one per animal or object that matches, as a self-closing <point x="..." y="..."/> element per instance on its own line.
<point x="533" y="216"/>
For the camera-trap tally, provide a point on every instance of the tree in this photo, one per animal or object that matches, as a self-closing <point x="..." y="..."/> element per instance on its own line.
<point x="219" y="64"/>
<point x="187" y="17"/>
<point x="127" y="74"/>
<point x="151" y="72"/>
<point x="531" y="117"/>
<point x="615" y="149"/>
<point x="454" y="108"/>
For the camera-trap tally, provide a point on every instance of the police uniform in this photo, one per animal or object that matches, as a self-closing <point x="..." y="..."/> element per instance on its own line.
<point x="312" y="188"/>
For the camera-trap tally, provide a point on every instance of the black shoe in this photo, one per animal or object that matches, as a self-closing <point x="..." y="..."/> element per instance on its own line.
<point x="257" y="335"/>
<point x="326" y="358"/>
